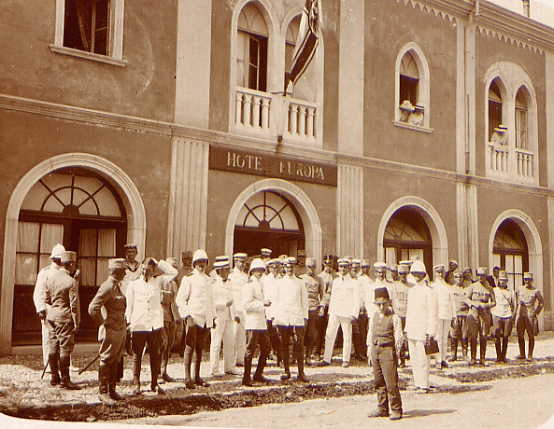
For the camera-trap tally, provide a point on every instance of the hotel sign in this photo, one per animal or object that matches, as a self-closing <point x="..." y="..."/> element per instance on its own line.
<point x="269" y="165"/>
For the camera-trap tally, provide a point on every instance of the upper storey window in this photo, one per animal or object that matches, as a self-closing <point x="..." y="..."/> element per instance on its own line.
<point x="409" y="80"/>
<point x="91" y="29"/>
<point x="497" y="131"/>
<point x="252" y="49"/>
<point x="522" y="118"/>
<point x="290" y="45"/>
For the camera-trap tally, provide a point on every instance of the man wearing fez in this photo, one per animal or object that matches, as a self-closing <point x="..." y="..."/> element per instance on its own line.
<point x="113" y="329"/>
<point x="61" y="316"/>
<point x="196" y="306"/>
<point x="145" y="316"/>
<point x="171" y="316"/>
<point x="238" y="279"/>
<point x="291" y="315"/>
<point x="38" y="294"/>
<point x="480" y="299"/>
<point x="529" y="305"/>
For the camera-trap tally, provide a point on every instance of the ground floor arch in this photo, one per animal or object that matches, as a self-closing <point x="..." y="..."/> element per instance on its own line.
<point x="53" y="213"/>
<point x="276" y="211"/>
<point x="411" y="228"/>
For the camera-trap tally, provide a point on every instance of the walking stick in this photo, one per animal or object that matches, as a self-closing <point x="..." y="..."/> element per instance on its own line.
<point x="44" y="370"/>
<point x="49" y="326"/>
<point x="89" y="364"/>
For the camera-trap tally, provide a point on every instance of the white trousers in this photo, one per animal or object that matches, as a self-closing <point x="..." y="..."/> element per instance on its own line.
<point x="443" y="326"/>
<point x="239" y="334"/>
<point x="331" y="334"/>
<point x="419" y="362"/>
<point x="223" y="332"/>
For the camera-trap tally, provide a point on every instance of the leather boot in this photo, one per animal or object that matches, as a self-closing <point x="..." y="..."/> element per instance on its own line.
<point x="464" y="348"/>
<point x="504" y="348"/>
<point x="454" y="349"/>
<point x="246" y="380"/>
<point x="258" y="375"/>
<point x="66" y="383"/>
<point x="301" y="376"/>
<point x="104" y="378"/>
<point x="498" y="347"/>
<point x="473" y="351"/>
<point x="197" y="379"/>
<point x="285" y="354"/>
<point x="53" y="362"/>
<point x="114" y="372"/>
<point x="482" y="350"/>
<point x="187" y="359"/>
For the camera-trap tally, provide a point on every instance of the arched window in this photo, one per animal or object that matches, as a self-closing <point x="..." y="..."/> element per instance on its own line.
<point x="252" y="37"/>
<point x="409" y="79"/>
<point x="510" y="252"/>
<point x="290" y="44"/>
<point x="522" y="118"/>
<point x="495" y="106"/>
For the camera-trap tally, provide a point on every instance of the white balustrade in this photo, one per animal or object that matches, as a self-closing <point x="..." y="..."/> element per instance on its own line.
<point x="252" y="109"/>
<point x="302" y="119"/>
<point x="524" y="163"/>
<point x="498" y="158"/>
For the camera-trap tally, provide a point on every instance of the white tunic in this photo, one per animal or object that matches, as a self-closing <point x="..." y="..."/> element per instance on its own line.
<point x="270" y="286"/>
<point x="291" y="302"/>
<point x="222" y="295"/>
<point x="421" y="314"/>
<point x="253" y="304"/>
<point x="345" y="297"/>
<point x="238" y="279"/>
<point x="195" y="299"/>
<point x="40" y="286"/>
<point x="444" y="293"/>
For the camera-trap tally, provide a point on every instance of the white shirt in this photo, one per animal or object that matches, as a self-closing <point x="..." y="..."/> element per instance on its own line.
<point x="291" y="301"/>
<point x="195" y="299"/>
<point x="446" y="309"/>
<point x="40" y="286"/>
<point x="345" y="297"/>
<point x="421" y="314"/>
<point x="144" y="310"/>
<point x="253" y="304"/>
<point x="222" y="294"/>
<point x="270" y="286"/>
<point x="238" y="279"/>
<point x="505" y="299"/>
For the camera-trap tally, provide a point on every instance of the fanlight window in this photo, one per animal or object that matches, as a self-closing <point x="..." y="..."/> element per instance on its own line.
<point x="268" y="211"/>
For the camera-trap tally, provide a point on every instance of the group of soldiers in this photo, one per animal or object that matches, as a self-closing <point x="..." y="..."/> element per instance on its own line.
<point x="272" y="303"/>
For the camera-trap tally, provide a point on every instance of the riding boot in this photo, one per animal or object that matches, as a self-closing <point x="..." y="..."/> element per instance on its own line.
<point x="301" y="376"/>
<point x="114" y="378"/>
<point x="197" y="379"/>
<point x="531" y="346"/>
<point x="187" y="358"/>
<point x="137" y="366"/>
<point x="504" y="348"/>
<point x="521" y="343"/>
<point x="246" y="380"/>
<point x="473" y="350"/>
<point x="454" y="349"/>
<point x="482" y="350"/>
<point x="66" y="383"/>
<point x="104" y="379"/>
<point x="53" y="362"/>
<point x="286" y="363"/>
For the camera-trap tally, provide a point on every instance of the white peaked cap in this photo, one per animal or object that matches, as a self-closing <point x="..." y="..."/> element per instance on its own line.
<point x="57" y="251"/>
<point x="199" y="255"/>
<point x="257" y="263"/>
<point x="418" y="267"/>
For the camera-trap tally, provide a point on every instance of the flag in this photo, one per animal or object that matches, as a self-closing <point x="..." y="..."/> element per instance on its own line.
<point x="307" y="41"/>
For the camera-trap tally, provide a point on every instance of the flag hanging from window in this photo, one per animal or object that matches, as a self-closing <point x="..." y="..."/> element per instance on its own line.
<point x="307" y="41"/>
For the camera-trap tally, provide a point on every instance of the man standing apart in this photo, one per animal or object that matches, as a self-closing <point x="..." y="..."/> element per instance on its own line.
<point x="503" y="314"/>
<point x="38" y="295"/>
<point x="344" y="306"/>
<point x="171" y="316"/>
<point x="529" y="305"/>
<point x="421" y="324"/>
<point x="196" y="307"/>
<point x="61" y="316"/>
<point x="113" y="329"/>
<point x="315" y="289"/>
<point x="480" y="299"/>
<point x="225" y="318"/>
<point x="446" y="312"/>
<point x="238" y="279"/>
<point x="145" y="316"/>
<point x="255" y="322"/>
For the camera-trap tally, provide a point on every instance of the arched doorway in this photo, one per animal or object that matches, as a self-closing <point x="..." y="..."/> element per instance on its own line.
<point x="407" y="237"/>
<point x="82" y="210"/>
<point x="510" y="252"/>
<point x="269" y="219"/>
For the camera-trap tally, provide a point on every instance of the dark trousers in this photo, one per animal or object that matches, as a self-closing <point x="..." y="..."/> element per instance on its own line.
<point x="61" y="338"/>
<point x="358" y="339"/>
<point x="312" y="340"/>
<point x="253" y="339"/>
<point x="154" y="341"/>
<point x="525" y="324"/>
<point x="274" y="339"/>
<point x="478" y="327"/>
<point x="168" y="339"/>
<point x="385" y="376"/>
<point x="194" y="344"/>
<point x="297" y="333"/>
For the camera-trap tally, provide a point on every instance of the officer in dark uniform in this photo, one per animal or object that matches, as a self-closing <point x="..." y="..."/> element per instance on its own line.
<point x="62" y="319"/>
<point x="113" y="329"/>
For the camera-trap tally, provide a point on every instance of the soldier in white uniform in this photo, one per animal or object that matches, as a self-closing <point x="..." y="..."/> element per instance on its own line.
<point x="238" y="279"/>
<point x="421" y="325"/>
<point x="270" y="284"/>
<point x="225" y="318"/>
<point x="446" y="312"/>
<point x="344" y="306"/>
<point x="38" y="293"/>
<point x="196" y="307"/>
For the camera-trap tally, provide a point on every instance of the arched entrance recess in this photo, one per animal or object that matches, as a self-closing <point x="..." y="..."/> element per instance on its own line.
<point x="302" y="207"/>
<point x="506" y="226"/>
<point x="116" y="177"/>
<point x="399" y="213"/>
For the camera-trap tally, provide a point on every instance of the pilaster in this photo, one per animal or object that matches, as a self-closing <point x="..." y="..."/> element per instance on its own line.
<point x="350" y="210"/>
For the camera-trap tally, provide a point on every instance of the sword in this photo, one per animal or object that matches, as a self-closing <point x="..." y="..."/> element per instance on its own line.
<point x="49" y="326"/>
<point x="89" y="364"/>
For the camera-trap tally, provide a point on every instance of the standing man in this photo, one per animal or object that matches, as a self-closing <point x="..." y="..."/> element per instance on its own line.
<point x="171" y="316"/>
<point x="503" y="314"/>
<point x="113" y="329"/>
<point x="358" y="338"/>
<point x="421" y="325"/>
<point x="327" y="275"/>
<point x="315" y="289"/>
<point x="291" y="315"/>
<point x="132" y="266"/>
<point x="480" y="299"/>
<point x="459" y="328"/>
<point x="344" y="306"/>
<point x="494" y="279"/>
<point x="467" y="277"/>
<point x="270" y="285"/>
<point x="449" y="276"/>
<point x="185" y="270"/>
<point x="145" y="316"/>
<point x="38" y="295"/>
<point x="196" y="307"/>
<point x="529" y="305"/>
<point x="254" y="305"/>
<point x="224" y="320"/>
<point x="446" y="312"/>
<point x="399" y="292"/>
<point x="393" y="273"/>
<point x="61" y="317"/>
<point x="238" y="279"/>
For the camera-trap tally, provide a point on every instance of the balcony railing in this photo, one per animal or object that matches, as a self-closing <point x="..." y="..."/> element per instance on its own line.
<point x="270" y="115"/>
<point x="498" y="158"/>
<point x="524" y="163"/>
<point x="511" y="163"/>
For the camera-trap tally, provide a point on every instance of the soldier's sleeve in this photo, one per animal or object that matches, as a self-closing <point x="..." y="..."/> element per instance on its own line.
<point x="183" y="296"/>
<point x="39" y="293"/>
<point x="251" y="304"/>
<point x="74" y="303"/>
<point x="103" y="295"/>
<point x="304" y="299"/>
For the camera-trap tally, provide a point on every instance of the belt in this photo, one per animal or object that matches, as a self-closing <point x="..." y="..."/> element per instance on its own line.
<point x="387" y="344"/>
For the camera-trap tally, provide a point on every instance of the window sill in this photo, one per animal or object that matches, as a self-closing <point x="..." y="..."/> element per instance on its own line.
<point x="88" y="55"/>
<point x="413" y="127"/>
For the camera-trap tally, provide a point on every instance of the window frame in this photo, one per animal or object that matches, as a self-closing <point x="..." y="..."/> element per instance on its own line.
<point x="114" y="42"/>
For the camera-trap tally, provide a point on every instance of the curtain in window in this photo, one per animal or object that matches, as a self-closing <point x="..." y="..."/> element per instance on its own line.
<point x="390" y="255"/>
<point x="27" y="236"/>
<point x="84" y="17"/>
<point x="87" y="256"/>
<point x="521" y="128"/>
<point x="242" y="55"/>
<point x="51" y="234"/>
